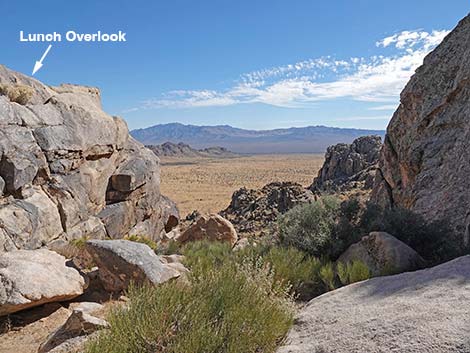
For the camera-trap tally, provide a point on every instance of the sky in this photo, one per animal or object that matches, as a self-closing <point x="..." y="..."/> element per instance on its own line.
<point x="255" y="64"/>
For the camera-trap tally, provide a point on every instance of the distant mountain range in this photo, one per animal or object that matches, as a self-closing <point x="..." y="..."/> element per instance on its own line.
<point x="170" y="149"/>
<point x="310" y="139"/>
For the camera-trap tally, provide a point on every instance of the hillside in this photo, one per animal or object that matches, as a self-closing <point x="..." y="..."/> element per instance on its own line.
<point x="170" y="149"/>
<point x="311" y="139"/>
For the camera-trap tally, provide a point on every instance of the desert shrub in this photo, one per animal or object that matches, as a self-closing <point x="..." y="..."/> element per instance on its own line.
<point x="352" y="272"/>
<point x="169" y="247"/>
<point x="342" y="272"/>
<point x="201" y="256"/>
<point x="79" y="242"/>
<point x="293" y="267"/>
<point x="142" y="239"/>
<point x="17" y="93"/>
<point x="328" y="275"/>
<point x="311" y="227"/>
<point x="327" y="230"/>
<point x="232" y="308"/>
<point x="347" y="230"/>
<point x="434" y="241"/>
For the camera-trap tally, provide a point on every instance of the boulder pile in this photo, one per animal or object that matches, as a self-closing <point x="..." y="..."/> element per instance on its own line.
<point x="349" y="166"/>
<point x="252" y="212"/>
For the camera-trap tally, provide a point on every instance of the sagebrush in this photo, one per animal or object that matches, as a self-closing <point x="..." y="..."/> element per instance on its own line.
<point x="231" y="308"/>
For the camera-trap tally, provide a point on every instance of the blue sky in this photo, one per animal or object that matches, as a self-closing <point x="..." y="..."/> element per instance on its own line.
<point x="248" y="63"/>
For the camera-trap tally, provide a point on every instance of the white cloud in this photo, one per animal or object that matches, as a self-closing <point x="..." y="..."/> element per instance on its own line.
<point x="374" y="79"/>
<point x="185" y="99"/>
<point x="410" y="39"/>
<point x="385" y="107"/>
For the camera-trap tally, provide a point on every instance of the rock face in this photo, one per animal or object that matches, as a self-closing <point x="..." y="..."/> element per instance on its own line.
<point x="425" y="161"/>
<point x="383" y="254"/>
<point x="121" y="262"/>
<point x="252" y="211"/>
<point x="30" y="278"/>
<point x="349" y="166"/>
<point x="422" y="311"/>
<point x="68" y="170"/>
<point x="212" y="227"/>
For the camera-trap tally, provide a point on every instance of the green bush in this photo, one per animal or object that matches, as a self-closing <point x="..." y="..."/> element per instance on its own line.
<point x="295" y="268"/>
<point x="79" y="242"/>
<point x="232" y="308"/>
<point x="326" y="228"/>
<point x="290" y="267"/>
<point x="342" y="272"/>
<point x="328" y="275"/>
<point x="434" y="241"/>
<point x="352" y="272"/>
<point x="311" y="227"/>
<point x="202" y="256"/>
<point x="347" y="230"/>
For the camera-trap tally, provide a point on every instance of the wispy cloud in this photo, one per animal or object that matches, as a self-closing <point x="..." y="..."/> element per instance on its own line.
<point x="384" y="107"/>
<point x="377" y="78"/>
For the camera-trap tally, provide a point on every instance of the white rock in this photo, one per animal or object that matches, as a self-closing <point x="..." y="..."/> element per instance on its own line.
<point x="413" y="312"/>
<point x="30" y="278"/>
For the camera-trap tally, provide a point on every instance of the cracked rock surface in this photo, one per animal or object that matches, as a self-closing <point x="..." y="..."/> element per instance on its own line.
<point x="67" y="167"/>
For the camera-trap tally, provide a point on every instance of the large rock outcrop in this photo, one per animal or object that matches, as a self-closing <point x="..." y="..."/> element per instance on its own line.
<point x="425" y="161"/>
<point x="349" y="166"/>
<point x="422" y="311"/>
<point x="253" y="211"/>
<point x="69" y="170"/>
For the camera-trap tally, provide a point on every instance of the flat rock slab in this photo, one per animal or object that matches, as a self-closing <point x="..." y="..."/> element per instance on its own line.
<point x="30" y="278"/>
<point x="121" y="262"/>
<point x="422" y="311"/>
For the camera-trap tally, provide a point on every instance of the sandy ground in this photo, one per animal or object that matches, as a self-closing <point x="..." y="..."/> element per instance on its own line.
<point x="207" y="185"/>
